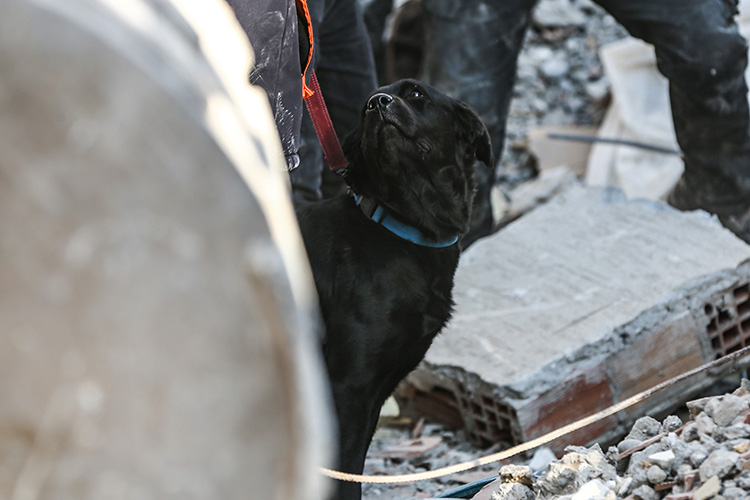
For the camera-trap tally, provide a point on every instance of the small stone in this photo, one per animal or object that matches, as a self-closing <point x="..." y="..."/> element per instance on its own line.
<point x="593" y="490"/>
<point x="557" y="13"/>
<point x="513" y="491"/>
<point x="655" y="474"/>
<point x="742" y="447"/>
<point x="682" y="471"/>
<point x="613" y="456"/>
<point x="597" y="90"/>
<point x="645" y="493"/>
<point x="697" y="455"/>
<point x="705" y="425"/>
<point x="743" y="480"/>
<point x="708" y="442"/>
<point x="558" y="479"/>
<point x="697" y="406"/>
<point x="555" y="68"/>
<point x="516" y="474"/>
<point x="644" y="428"/>
<point x="539" y="55"/>
<point x="663" y="459"/>
<point x="541" y="459"/>
<point x="719" y="463"/>
<point x="725" y="409"/>
<point x="624" y="486"/>
<point x="733" y="493"/>
<point x="708" y="489"/>
<point x="690" y="432"/>
<point x="671" y="423"/>
<point x="736" y="431"/>
<point x="628" y="444"/>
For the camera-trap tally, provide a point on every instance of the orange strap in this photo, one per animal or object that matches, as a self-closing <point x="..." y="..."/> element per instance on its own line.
<point x="304" y="12"/>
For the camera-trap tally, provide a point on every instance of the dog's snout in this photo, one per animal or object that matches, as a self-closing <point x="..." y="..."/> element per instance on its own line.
<point x="379" y="99"/>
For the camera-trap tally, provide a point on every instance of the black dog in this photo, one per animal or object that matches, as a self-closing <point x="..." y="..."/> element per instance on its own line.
<point x="383" y="259"/>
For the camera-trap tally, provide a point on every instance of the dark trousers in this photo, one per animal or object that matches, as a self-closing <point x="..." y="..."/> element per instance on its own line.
<point x="271" y="28"/>
<point x="345" y="68"/>
<point x="472" y="47"/>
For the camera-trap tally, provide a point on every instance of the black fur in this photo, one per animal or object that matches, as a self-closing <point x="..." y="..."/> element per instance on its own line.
<point x="384" y="298"/>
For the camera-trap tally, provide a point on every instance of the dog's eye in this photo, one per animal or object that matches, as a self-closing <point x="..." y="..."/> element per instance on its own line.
<point x="416" y="93"/>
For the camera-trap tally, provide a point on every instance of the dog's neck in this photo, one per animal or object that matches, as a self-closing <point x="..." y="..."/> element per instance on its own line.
<point x="382" y="215"/>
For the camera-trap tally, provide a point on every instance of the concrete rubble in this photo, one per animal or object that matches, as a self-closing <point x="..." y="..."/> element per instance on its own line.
<point x="706" y="457"/>
<point x="574" y="302"/>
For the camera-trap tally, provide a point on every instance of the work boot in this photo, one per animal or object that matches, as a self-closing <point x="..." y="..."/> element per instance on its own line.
<point x="734" y="216"/>
<point x="739" y="224"/>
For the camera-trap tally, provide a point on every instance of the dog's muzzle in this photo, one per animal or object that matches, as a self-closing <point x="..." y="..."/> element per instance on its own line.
<point x="379" y="100"/>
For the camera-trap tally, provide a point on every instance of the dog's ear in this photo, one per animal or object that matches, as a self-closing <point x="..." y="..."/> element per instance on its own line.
<point x="475" y="131"/>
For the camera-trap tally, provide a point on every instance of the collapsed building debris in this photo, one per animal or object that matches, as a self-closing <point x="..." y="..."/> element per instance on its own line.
<point x="706" y="457"/>
<point x="575" y="302"/>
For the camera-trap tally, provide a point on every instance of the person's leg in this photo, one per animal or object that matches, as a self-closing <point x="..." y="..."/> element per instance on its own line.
<point x="700" y="51"/>
<point x="345" y="68"/>
<point x="471" y="50"/>
<point x="271" y="27"/>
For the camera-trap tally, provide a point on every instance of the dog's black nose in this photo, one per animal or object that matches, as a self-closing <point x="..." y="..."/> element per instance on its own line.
<point x="379" y="99"/>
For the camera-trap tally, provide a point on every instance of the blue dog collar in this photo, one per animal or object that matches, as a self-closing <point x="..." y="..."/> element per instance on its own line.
<point x="380" y="215"/>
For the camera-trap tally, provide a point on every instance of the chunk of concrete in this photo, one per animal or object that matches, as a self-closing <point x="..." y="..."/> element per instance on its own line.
<point x="570" y="309"/>
<point x="156" y="316"/>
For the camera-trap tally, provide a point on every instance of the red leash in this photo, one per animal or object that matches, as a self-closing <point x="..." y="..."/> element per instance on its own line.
<point x="324" y="127"/>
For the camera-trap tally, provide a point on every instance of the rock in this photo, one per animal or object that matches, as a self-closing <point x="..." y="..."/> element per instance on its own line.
<point x="743" y="480"/>
<point x="690" y="432"/>
<point x="656" y="474"/>
<point x="719" y="463"/>
<point x="558" y="479"/>
<point x="735" y="432"/>
<point x="513" y="491"/>
<point x="671" y="423"/>
<point x="593" y="490"/>
<point x="644" y="428"/>
<point x="541" y="459"/>
<point x="725" y="409"/>
<point x="555" y="68"/>
<point x="705" y="425"/>
<point x="624" y="485"/>
<point x="597" y="90"/>
<point x="645" y="493"/>
<point x="734" y="493"/>
<point x="663" y="459"/>
<point x="708" y="489"/>
<point x="516" y="474"/>
<point x="697" y="457"/>
<point x="628" y="444"/>
<point x="697" y="406"/>
<point x="557" y="13"/>
<point x="539" y="55"/>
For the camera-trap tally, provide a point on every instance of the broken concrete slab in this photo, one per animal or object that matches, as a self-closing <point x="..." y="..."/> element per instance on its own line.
<point x="572" y="308"/>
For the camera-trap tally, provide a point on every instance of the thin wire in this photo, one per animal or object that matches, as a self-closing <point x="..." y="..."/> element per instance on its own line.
<point x="614" y="141"/>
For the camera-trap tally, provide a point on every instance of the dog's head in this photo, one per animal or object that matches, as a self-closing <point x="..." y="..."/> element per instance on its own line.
<point x="414" y="151"/>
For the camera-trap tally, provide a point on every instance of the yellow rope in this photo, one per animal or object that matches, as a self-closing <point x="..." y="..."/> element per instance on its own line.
<point x="530" y="445"/>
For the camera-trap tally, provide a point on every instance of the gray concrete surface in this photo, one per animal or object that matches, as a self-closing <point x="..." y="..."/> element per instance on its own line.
<point x="549" y="302"/>
<point x="156" y="314"/>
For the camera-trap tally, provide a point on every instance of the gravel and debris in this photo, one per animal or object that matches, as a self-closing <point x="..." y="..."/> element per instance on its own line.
<point x="560" y="79"/>
<point x="705" y="457"/>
